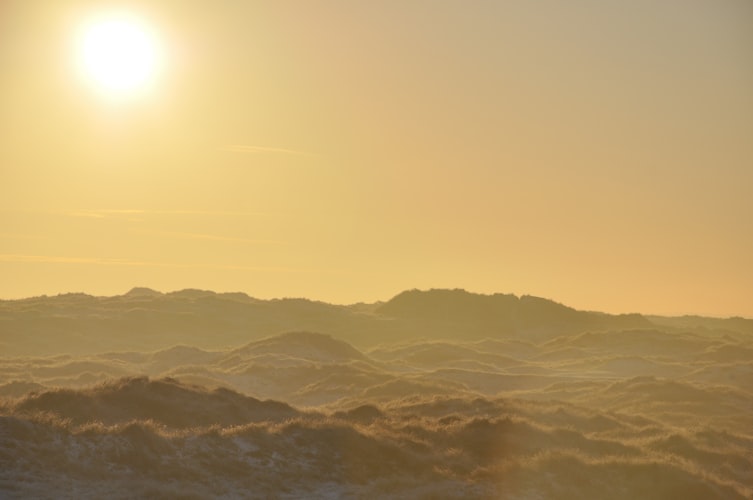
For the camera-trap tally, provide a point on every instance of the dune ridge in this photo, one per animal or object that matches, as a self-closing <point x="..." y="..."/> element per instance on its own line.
<point x="637" y="412"/>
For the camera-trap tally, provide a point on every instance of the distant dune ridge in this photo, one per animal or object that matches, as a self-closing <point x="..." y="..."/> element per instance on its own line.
<point x="144" y="319"/>
<point x="432" y="394"/>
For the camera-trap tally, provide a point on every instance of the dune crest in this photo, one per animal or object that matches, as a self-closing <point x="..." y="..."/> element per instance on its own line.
<point x="659" y="411"/>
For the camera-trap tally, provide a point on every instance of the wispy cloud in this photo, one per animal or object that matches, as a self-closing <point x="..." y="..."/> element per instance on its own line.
<point x="127" y="213"/>
<point x="101" y="213"/>
<point x="54" y="259"/>
<point x="210" y="237"/>
<point x="276" y="269"/>
<point x="243" y="148"/>
<point x="19" y="236"/>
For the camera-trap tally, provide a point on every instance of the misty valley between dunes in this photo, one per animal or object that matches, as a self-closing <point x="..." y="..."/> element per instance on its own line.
<point x="432" y="394"/>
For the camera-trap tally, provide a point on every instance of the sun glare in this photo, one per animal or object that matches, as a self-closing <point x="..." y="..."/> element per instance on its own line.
<point x="118" y="54"/>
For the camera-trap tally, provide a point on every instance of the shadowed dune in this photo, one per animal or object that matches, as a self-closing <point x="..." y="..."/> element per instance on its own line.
<point x="516" y="409"/>
<point x="164" y="401"/>
<point x="184" y="440"/>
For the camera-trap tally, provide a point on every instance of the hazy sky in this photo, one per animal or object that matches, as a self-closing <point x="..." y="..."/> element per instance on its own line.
<point x="597" y="152"/>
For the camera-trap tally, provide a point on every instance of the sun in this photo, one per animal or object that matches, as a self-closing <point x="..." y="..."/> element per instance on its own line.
<point x="118" y="54"/>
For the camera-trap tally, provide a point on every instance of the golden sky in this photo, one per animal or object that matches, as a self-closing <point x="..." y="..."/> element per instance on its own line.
<point x="599" y="153"/>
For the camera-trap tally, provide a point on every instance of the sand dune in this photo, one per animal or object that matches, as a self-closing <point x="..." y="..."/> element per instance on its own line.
<point x="661" y="412"/>
<point x="169" y="439"/>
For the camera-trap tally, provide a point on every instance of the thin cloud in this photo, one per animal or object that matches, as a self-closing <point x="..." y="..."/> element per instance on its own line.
<point x="274" y="269"/>
<point x="101" y="213"/>
<point x="210" y="237"/>
<point x="111" y="213"/>
<point x="54" y="259"/>
<point x="243" y="148"/>
<point x="18" y="236"/>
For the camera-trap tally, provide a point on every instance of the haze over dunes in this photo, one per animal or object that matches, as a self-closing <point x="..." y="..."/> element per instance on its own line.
<point x="440" y="393"/>
<point x="367" y="157"/>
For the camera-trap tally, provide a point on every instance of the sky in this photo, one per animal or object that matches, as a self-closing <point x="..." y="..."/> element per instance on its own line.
<point x="598" y="153"/>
